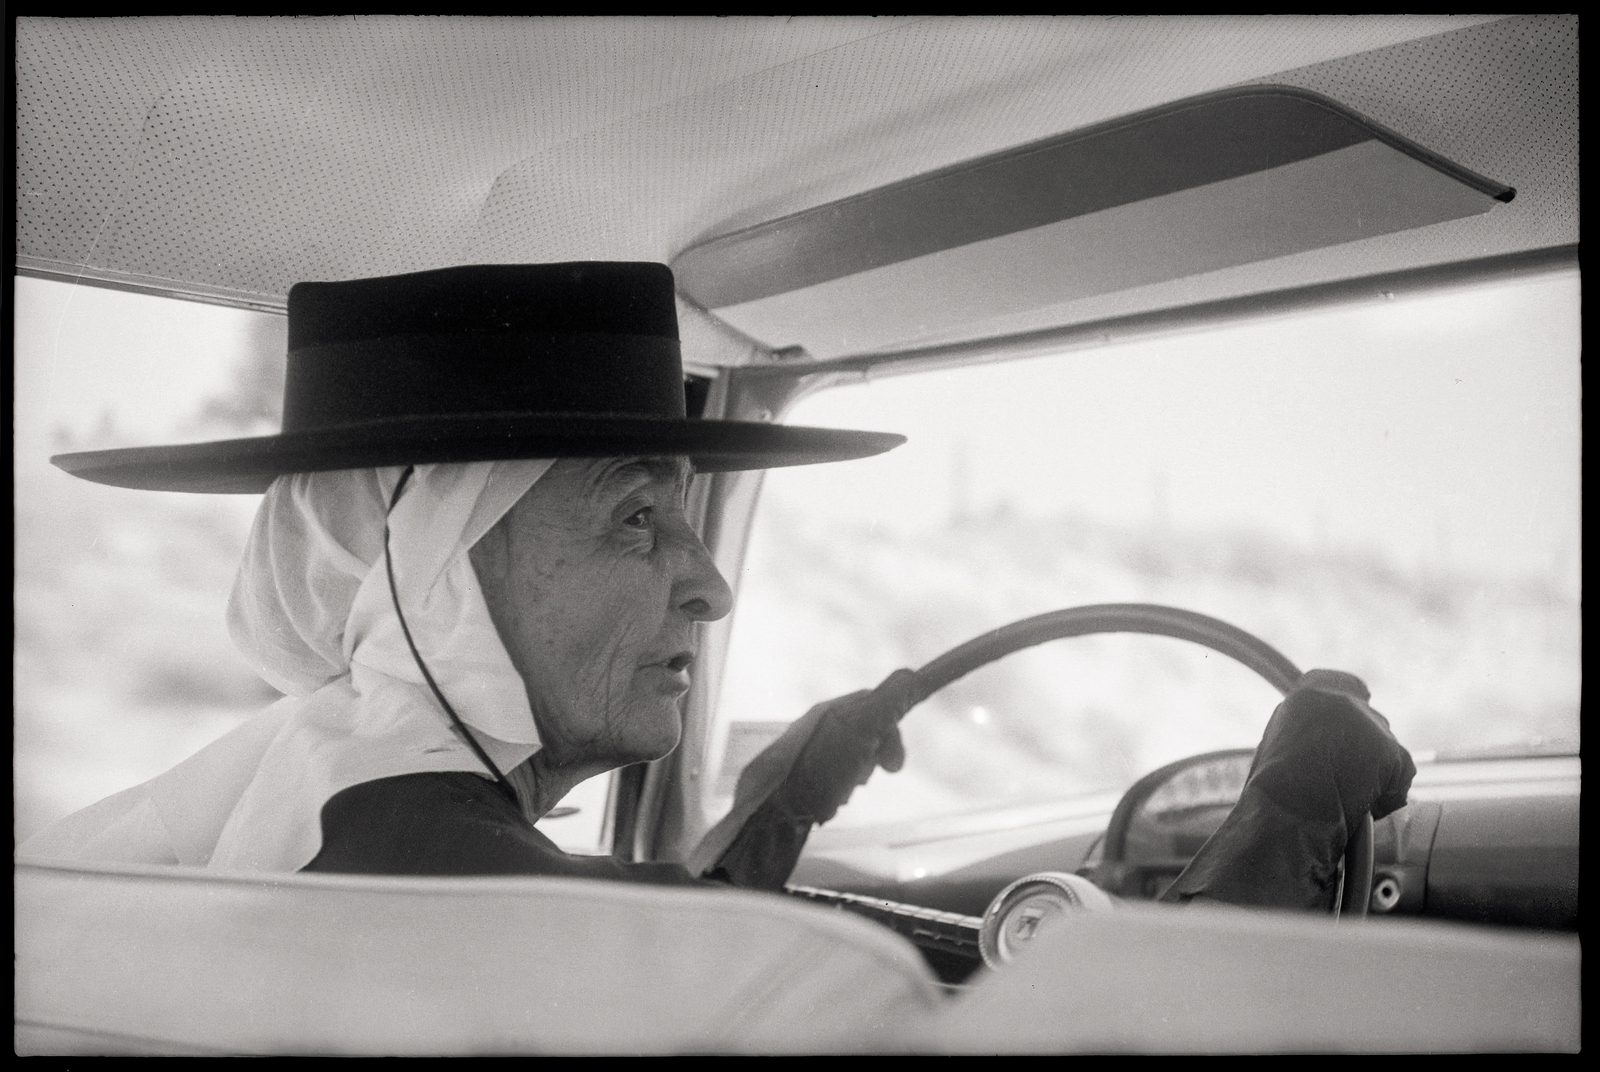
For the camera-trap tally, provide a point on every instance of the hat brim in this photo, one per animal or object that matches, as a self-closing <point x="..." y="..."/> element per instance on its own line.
<point x="248" y="466"/>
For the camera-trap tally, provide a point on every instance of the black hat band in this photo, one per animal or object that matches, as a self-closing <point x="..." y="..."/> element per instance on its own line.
<point x="433" y="375"/>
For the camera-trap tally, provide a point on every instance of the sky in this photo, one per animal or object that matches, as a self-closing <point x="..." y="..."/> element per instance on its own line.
<point x="1443" y="429"/>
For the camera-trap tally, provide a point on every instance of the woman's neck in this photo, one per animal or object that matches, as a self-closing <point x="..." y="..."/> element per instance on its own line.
<point x="547" y="782"/>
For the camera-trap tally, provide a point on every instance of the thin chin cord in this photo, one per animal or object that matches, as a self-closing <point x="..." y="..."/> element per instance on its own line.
<point x="394" y="593"/>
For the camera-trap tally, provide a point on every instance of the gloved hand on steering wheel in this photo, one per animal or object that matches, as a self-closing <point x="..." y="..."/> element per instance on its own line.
<point x="812" y="770"/>
<point x="854" y="735"/>
<point x="1325" y="761"/>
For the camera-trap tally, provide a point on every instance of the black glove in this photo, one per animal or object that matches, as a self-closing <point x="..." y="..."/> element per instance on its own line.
<point x="1327" y="755"/>
<point x="856" y="734"/>
<point x="1326" y="760"/>
<point x="849" y="738"/>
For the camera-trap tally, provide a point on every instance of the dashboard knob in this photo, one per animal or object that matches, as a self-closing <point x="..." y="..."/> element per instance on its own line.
<point x="1032" y="905"/>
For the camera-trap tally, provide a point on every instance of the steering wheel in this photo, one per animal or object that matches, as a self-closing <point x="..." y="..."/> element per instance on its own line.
<point x="1354" y="891"/>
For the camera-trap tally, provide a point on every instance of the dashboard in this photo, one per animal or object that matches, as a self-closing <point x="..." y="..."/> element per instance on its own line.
<point x="1488" y="841"/>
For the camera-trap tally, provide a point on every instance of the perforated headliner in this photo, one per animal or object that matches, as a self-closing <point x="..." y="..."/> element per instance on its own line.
<point x="226" y="159"/>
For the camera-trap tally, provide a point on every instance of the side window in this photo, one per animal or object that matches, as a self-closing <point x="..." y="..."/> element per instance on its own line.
<point x="122" y="664"/>
<point x="1391" y="490"/>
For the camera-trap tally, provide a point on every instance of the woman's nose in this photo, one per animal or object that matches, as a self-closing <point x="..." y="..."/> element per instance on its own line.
<point x="701" y="591"/>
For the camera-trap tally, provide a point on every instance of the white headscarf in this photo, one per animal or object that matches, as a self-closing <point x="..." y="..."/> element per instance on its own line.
<point x="311" y="603"/>
<point x="312" y="611"/>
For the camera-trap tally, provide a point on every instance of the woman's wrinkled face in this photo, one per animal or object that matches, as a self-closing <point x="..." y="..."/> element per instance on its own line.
<point x="595" y="581"/>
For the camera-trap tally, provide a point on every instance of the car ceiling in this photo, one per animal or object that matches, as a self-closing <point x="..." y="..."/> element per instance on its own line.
<point x="224" y="159"/>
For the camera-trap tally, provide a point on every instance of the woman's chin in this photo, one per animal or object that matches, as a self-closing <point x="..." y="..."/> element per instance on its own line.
<point x="653" y="730"/>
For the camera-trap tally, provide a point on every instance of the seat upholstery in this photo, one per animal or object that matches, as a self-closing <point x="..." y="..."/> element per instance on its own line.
<point x="150" y="959"/>
<point x="1164" y="979"/>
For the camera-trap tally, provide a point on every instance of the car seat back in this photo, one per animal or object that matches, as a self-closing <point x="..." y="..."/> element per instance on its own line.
<point x="1196" y="979"/>
<point x="145" y="959"/>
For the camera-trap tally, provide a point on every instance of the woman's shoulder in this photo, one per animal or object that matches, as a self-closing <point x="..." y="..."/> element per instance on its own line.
<point x="453" y="823"/>
<point x="123" y="828"/>
<point x="435" y="822"/>
<point x="430" y="796"/>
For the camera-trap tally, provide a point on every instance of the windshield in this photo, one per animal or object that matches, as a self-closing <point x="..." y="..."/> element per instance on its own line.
<point x="1391" y="490"/>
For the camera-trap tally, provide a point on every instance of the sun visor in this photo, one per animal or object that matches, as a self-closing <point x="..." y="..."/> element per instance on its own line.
<point x="1227" y="179"/>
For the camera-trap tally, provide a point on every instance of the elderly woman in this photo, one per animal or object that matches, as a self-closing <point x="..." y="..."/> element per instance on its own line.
<point x="473" y="576"/>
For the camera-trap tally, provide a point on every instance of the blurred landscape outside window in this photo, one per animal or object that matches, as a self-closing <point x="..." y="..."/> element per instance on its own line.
<point x="1392" y="490"/>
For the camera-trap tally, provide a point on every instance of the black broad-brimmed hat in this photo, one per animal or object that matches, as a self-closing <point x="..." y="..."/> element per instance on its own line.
<point x="479" y="363"/>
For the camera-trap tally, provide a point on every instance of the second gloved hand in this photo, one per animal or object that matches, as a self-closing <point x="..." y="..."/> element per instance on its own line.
<point x="1327" y="755"/>
<point x="1326" y="760"/>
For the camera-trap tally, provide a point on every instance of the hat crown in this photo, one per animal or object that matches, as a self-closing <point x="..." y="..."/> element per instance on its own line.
<point x="588" y="337"/>
<point x="599" y="297"/>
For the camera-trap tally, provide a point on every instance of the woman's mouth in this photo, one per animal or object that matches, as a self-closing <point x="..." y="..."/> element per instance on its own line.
<point x="672" y="675"/>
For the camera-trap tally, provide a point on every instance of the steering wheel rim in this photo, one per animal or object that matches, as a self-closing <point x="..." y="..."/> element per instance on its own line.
<point x="1154" y="619"/>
